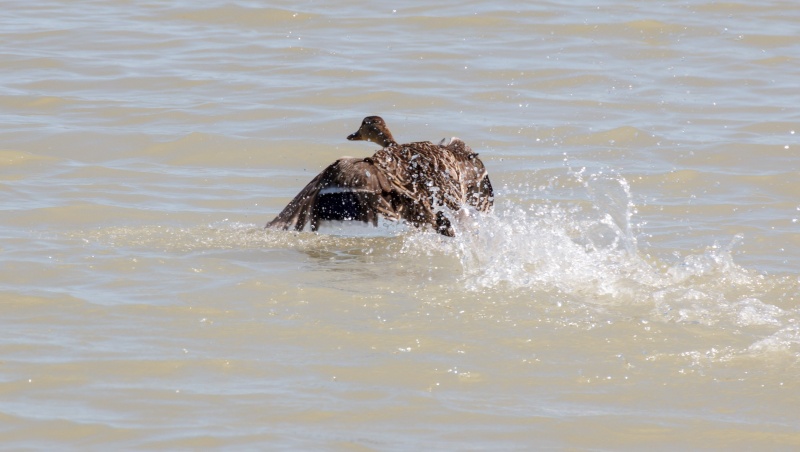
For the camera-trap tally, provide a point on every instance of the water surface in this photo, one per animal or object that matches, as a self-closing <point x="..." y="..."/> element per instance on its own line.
<point x="636" y="286"/>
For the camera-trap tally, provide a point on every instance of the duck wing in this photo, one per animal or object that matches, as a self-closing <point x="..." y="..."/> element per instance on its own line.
<point x="474" y="178"/>
<point x="348" y="189"/>
<point x="434" y="175"/>
<point x="408" y="171"/>
<point x="425" y="177"/>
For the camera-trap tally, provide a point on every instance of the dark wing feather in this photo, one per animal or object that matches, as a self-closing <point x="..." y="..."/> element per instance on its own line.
<point x="348" y="189"/>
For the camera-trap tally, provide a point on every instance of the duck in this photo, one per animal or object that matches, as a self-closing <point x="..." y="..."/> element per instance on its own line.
<point x="412" y="182"/>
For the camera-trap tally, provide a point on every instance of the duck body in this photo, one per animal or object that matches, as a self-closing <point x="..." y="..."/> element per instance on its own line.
<point x="412" y="182"/>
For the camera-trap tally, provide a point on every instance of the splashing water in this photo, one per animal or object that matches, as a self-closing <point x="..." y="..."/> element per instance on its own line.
<point x="587" y="249"/>
<point x="553" y="246"/>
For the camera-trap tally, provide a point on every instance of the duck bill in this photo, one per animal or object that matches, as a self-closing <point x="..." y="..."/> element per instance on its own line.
<point x="355" y="136"/>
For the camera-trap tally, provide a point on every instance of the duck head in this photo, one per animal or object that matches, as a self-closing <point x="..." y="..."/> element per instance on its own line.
<point x="373" y="128"/>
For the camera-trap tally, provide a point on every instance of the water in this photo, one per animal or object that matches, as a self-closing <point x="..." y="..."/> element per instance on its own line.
<point x="636" y="286"/>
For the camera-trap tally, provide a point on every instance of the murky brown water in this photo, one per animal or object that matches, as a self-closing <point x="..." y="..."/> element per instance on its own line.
<point x="637" y="285"/>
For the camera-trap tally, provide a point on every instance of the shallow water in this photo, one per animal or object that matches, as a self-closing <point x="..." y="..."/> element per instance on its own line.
<point x="636" y="286"/>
